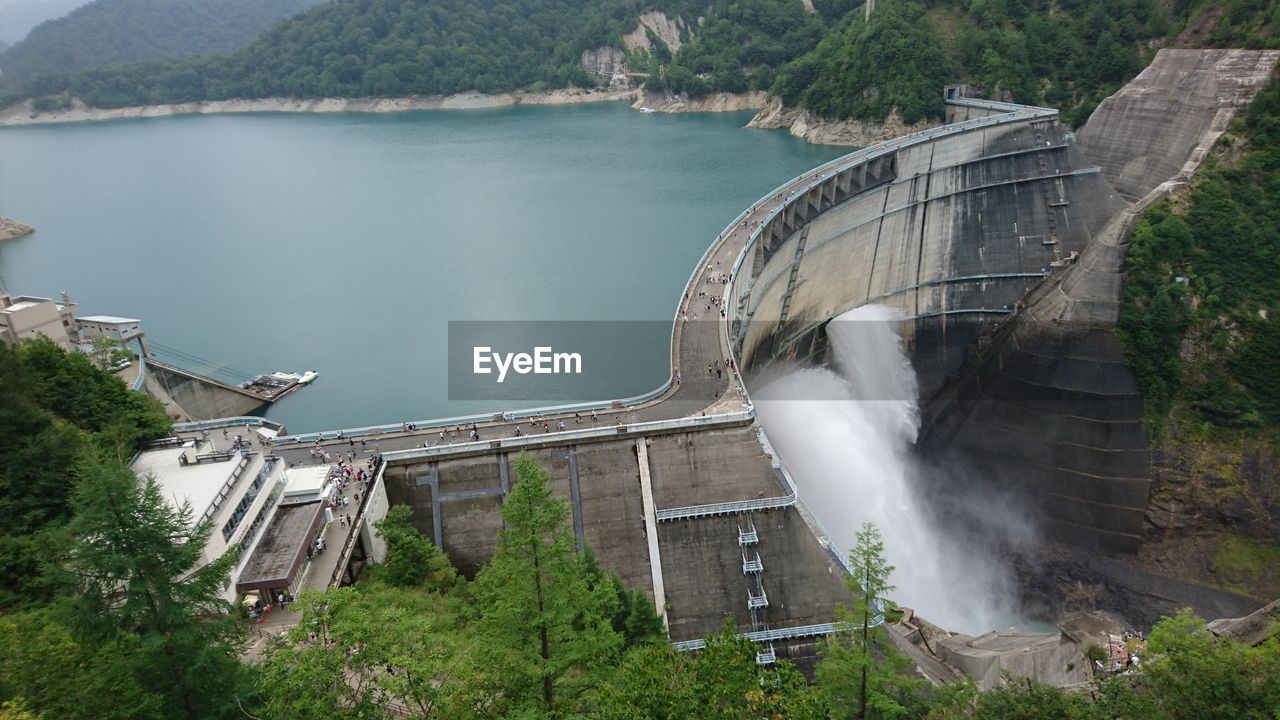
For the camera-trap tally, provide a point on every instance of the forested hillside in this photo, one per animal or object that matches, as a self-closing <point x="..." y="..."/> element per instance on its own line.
<point x="1203" y="301"/>
<point x="820" y="54"/>
<point x="17" y="17"/>
<point x="114" y="32"/>
<point x="1201" y="327"/>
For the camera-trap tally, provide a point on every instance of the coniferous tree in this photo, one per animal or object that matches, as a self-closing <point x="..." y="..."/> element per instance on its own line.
<point x="393" y="647"/>
<point x="861" y="670"/>
<point x="412" y="559"/>
<point x="545" y="622"/>
<point x="132" y="566"/>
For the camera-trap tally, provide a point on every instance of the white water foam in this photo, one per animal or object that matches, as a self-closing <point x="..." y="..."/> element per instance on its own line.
<point x="846" y="437"/>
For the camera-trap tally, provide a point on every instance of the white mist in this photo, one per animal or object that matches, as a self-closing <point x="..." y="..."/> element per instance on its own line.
<point x="846" y="438"/>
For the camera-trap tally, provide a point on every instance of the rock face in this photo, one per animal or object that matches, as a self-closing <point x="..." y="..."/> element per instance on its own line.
<point x="1050" y="658"/>
<point x="10" y="229"/>
<point x="1252" y="629"/>
<point x="667" y="30"/>
<point x="808" y="126"/>
<point x="608" y="65"/>
<point x="716" y="102"/>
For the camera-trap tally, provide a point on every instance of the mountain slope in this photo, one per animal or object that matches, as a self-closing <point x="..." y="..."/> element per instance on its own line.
<point x="19" y="16"/>
<point x="114" y="32"/>
<point x="818" y="55"/>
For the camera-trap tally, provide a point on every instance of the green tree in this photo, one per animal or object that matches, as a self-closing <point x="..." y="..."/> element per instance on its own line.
<point x="391" y="646"/>
<point x="412" y="559"/>
<point x="544" y="622"/>
<point x="1192" y="674"/>
<point x="721" y="681"/>
<point x="108" y="353"/>
<point x="635" y="618"/>
<point x="1026" y="699"/>
<point x="68" y="385"/>
<point x="860" y="670"/>
<point x="133" y="567"/>
<point x="54" y="406"/>
<point x="43" y="663"/>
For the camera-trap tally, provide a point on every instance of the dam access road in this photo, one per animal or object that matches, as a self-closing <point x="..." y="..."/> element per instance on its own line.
<point x="679" y="491"/>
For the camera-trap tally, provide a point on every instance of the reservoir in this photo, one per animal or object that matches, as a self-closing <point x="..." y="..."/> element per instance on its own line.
<point x="346" y="243"/>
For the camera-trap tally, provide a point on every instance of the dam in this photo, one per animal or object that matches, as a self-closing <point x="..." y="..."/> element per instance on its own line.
<point x="999" y="239"/>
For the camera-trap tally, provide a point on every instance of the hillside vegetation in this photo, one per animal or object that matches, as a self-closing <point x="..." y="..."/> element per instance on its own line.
<point x="17" y="17"/>
<point x="114" y="32"/>
<point x="820" y="55"/>
<point x="1202" y="314"/>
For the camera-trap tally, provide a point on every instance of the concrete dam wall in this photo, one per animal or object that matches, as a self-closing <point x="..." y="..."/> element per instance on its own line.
<point x="951" y="226"/>
<point x="1146" y="134"/>
<point x="188" y="396"/>
<point x="1002" y="244"/>
<point x="1048" y="404"/>
<point x="662" y="508"/>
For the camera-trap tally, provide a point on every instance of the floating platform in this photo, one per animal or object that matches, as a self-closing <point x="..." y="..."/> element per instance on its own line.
<point x="278" y="384"/>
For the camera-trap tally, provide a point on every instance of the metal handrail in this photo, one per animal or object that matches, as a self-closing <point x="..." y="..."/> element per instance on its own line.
<point x="800" y="631"/>
<point x="226" y="422"/>
<point x="725" y="508"/>
<point x="564" y="436"/>
<point x="226" y="488"/>
<point x="353" y="534"/>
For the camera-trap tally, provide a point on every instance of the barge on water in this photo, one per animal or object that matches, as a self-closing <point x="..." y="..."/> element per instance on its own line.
<point x="278" y="384"/>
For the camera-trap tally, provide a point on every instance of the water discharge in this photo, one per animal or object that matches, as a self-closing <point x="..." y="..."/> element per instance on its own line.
<point x="846" y="435"/>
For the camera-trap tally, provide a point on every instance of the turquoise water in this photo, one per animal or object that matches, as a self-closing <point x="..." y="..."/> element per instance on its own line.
<point x="345" y="243"/>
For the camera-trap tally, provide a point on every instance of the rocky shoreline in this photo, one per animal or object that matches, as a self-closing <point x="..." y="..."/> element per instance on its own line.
<point x="858" y="133"/>
<point x="770" y="113"/>
<point x="23" y="113"/>
<point x="10" y="229"/>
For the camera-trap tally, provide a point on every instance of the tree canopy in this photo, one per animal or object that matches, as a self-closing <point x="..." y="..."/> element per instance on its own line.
<point x="823" y="56"/>
<point x="114" y="32"/>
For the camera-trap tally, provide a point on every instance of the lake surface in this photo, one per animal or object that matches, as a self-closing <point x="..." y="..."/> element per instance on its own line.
<point x="346" y="243"/>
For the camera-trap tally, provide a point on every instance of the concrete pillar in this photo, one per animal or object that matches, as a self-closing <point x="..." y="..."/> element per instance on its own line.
<point x="575" y="496"/>
<point x="651" y="530"/>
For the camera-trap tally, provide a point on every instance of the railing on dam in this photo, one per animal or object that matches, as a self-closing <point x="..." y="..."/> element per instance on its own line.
<point x="227" y="422"/>
<point x="725" y="508"/>
<point x="791" y="633"/>
<point x="516" y="443"/>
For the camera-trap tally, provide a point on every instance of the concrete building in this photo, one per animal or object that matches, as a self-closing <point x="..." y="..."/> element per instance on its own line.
<point x="1050" y="658"/>
<point x="25" y="317"/>
<point x="96" y="327"/>
<point x="254" y="505"/>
